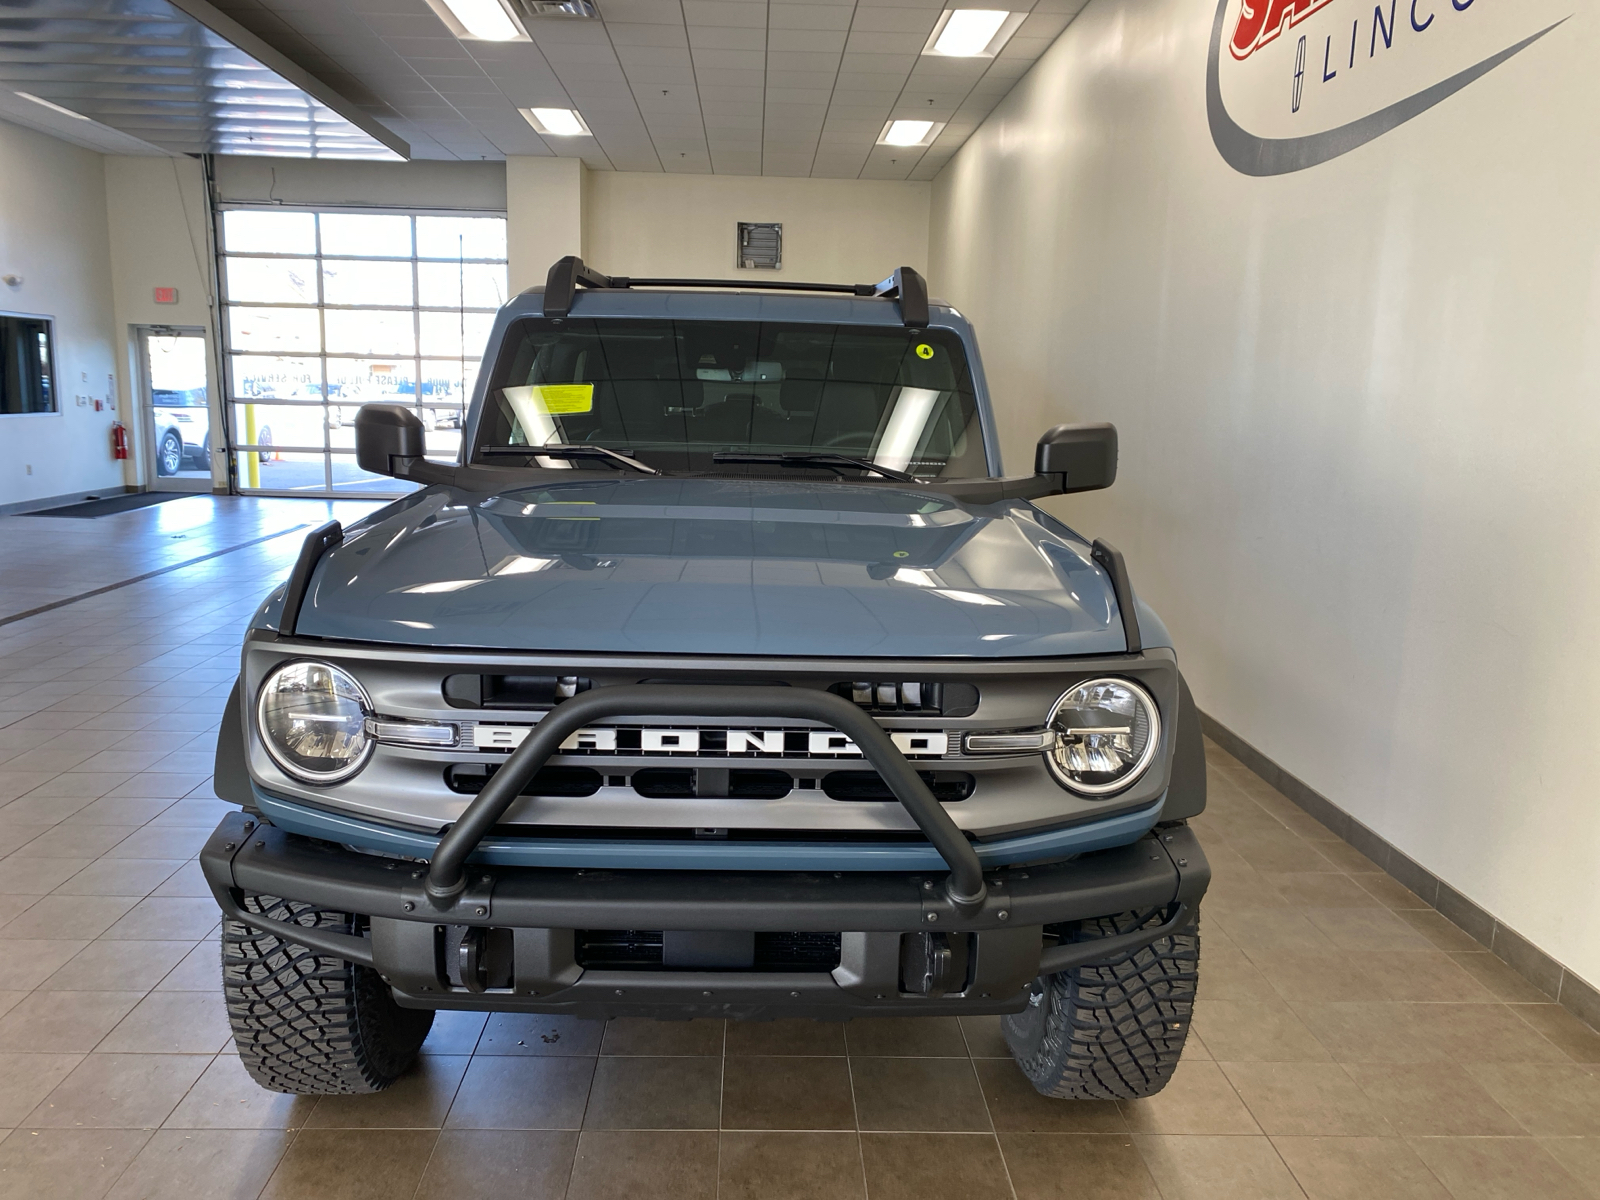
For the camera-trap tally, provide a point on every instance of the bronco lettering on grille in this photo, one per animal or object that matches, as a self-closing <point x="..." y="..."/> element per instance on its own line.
<point x="719" y="743"/>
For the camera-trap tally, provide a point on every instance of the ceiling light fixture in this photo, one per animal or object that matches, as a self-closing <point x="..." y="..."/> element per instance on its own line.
<point x="66" y="112"/>
<point x="485" y="20"/>
<point x="556" y="122"/>
<point x="909" y="133"/>
<point x="972" y="32"/>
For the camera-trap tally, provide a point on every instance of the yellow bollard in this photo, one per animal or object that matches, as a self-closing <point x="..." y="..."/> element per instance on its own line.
<point x="252" y="458"/>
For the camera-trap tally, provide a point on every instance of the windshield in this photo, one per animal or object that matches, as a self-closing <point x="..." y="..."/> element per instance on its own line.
<point x="680" y="395"/>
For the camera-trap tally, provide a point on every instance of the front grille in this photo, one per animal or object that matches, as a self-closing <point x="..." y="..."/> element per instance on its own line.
<point x="946" y="786"/>
<point x="642" y="950"/>
<point x="467" y="779"/>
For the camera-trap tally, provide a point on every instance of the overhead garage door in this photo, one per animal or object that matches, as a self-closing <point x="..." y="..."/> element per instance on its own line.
<point x="329" y="310"/>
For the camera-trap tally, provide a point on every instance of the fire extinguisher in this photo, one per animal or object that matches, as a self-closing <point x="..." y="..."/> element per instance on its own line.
<point x="119" y="440"/>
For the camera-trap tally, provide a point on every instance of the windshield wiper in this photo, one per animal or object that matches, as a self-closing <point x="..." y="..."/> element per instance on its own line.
<point x="809" y="458"/>
<point x="568" y="451"/>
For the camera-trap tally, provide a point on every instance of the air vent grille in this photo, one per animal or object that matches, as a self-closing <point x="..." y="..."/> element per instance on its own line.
<point x="760" y="245"/>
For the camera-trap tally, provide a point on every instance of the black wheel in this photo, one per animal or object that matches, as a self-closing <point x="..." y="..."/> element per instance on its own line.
<point x="1112" y="1031"/>
<point x="264" y="438"/>
<point x="306" y="1023"/>
<point x="169" y="455"/>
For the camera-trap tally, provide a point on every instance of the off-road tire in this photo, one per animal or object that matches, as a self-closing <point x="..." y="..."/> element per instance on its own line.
<point x="306" y="1023"/>
<point x="1113" y="1030"/>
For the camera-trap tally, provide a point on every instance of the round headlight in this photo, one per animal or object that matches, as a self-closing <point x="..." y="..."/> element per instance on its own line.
<point x="312" y="718"/>
<point x="1107" y="731"/>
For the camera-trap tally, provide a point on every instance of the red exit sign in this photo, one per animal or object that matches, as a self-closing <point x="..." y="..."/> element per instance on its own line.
<point x="166" y="295"/>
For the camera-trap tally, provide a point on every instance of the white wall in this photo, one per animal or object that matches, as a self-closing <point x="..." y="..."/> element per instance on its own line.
<point x="53" y="234"/>
<point x="1358" y="408"/>
<point x="158" y="214"/>
<point x="834" y="230"/>
<point x="544" y="216"/>
<point x="634" y="223"/>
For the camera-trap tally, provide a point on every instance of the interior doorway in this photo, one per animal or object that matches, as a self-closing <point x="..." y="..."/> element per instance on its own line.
<point x="175" y="408"/>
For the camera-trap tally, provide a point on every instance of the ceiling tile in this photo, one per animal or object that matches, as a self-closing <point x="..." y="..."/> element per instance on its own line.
<point x="726" y="12"/>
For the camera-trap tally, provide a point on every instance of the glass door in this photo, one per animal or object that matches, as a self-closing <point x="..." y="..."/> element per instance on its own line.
<point x="175" y="406"/>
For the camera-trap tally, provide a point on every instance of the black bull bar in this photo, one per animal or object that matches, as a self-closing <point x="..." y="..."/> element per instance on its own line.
<point x="964" y="886"/>
<point x="1165" y="871"/>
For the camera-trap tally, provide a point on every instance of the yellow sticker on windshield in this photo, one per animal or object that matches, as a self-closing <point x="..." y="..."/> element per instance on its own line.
<point x="924" y="351"/>
<point x="559" y="398"/>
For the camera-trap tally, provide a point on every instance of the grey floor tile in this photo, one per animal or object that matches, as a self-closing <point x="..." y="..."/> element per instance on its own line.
<point x="931" y="1095"/>
<point x="351" y="1164"/>
<point x="1358" y="1168"/>
<point x="516" y="1092"/>
<point x="66" y="1164"/>
<point x="119" y="1091"/>
<point x="654" y="1093"/>
<point x="105" y="966"/>
<point x="211" y="1164"/>
<point x="790" y="1166"/>
<point x="1497" y="1168"/>
<point x="665" y="1165"/>
<point x="915" y="1166"/>
<point x="495" y="1164"/>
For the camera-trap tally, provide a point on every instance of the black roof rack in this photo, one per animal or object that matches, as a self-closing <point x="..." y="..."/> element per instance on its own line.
<point x="905" y="286"/>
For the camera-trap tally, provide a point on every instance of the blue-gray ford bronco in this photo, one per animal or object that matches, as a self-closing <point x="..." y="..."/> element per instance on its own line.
<point x="722" y="674"/>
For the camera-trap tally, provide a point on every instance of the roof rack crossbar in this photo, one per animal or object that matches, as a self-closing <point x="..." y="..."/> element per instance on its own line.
<point x="905" y="286"/>
<point x="563" y="281"/>
<point x="908" y="287"/>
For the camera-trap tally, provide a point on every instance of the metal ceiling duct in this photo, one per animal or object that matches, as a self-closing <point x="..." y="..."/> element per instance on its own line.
<point x="182" y="76"/>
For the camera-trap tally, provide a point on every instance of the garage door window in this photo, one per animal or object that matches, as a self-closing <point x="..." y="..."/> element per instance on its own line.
<point x="327" y="311"/>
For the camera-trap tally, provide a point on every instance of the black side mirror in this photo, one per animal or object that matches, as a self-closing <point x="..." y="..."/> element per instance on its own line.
<point x="1084" y="457"/>
<point x="385" y="432"/>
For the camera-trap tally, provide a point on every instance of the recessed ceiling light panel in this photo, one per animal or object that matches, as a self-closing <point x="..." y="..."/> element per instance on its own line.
<point x="556" y="122"/>
<point x="66" y="112"/>
<point x="478" y="20"/>
<point x="972" y="32"/>
<point x="910" y="133"/>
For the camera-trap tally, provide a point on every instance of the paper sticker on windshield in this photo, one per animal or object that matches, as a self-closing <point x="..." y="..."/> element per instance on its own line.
<point x="924" y="351"/>
<point x="560" y="398"/>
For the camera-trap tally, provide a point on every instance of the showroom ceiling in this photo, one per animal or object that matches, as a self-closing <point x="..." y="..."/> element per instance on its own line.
<point x="127" y="76"/>
<point x="740" y="87"/>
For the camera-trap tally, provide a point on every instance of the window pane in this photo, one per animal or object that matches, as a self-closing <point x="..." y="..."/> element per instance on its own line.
<point x="442" y="382"/>
<point x="280" y="330"/>
<point x="272" y="280"/>
<point x="365" y="236"/>
<point x="27" y="379"/>
<point x="461" y="237"/>
<point x="369" y="331"/>
<point x="262" y="375"/>
<point x="440" y="284"/>
<point x="281" y="471"/>
<point x="285" y="426"/>
<point x="253" y="232"/>
<point x="353" y="382"/>
<point x="443" y="332"/>
<point x="387" y="283"/>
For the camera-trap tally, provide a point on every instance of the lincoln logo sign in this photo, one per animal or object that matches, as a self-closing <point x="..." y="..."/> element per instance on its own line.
<point x="1304" y="81"/>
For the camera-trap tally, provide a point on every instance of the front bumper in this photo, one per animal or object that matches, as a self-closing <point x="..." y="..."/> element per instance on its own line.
<point x="543" y="914"/>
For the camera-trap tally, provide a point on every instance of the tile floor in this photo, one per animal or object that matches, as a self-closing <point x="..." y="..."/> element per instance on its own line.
<point x="1349" y="1043"/>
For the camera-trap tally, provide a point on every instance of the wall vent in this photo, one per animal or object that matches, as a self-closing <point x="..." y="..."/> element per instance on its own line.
<point x="760" y="245"/>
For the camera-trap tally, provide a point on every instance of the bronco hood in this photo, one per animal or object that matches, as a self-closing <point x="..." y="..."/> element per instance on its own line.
<point x="715" y="566"/>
